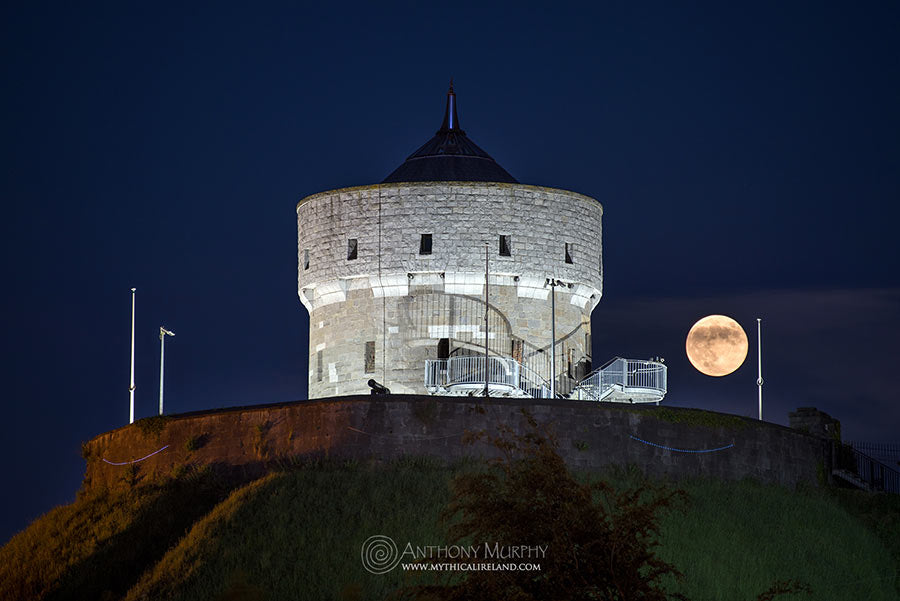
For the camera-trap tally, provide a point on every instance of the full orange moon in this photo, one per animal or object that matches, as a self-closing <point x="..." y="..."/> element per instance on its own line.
<point x="716" y="345"/>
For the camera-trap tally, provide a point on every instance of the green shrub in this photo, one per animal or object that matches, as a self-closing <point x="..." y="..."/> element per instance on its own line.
<point x="194" y="442"/>
<point x="260" y="444"/>
<point x="599" y="542"/>
<point x="152" y="426"/>
<point x="130" y="474"/>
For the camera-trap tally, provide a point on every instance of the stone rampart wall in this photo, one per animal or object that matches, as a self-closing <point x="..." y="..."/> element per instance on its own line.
<point x="662" y="441"/>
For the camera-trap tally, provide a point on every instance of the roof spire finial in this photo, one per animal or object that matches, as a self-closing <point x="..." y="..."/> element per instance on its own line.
<point x="451" y="119"/>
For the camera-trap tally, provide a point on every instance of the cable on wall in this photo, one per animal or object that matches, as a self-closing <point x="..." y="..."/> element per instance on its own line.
<point x="659" y="446"/>
<point x="135" y="460"/>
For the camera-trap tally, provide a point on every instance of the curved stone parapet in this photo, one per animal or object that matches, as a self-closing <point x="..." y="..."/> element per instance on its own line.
<point x="662" y="441"/>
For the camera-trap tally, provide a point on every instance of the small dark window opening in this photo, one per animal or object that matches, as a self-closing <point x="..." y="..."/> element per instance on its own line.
<point x="569" y="253"/>
<point x="443" y="348"/>
<point x="352" y="248"/>
<point x="425" y="244"/>
<point x="505" y="246"/>
<point x="517" y="350"/>
<point x="319" y="365"/>
<point x="370" y="357"/>
<point x="306" y="259"/>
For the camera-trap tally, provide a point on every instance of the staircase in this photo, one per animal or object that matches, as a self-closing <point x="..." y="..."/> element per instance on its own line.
<point x="861" y="471"/>
<point x="624" y="381"/>
<point x="619" y="380"/>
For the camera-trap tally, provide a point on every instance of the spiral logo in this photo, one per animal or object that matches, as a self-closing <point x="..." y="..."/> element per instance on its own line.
<point x="379" y="554"/>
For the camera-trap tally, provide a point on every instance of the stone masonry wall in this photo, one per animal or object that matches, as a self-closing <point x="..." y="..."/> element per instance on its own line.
<point x="416" y="322"/>
<point x="403" y="303"/>
<point x="815" y="422"/>
<point x="387" y="219"/>
<point x="662" y="441"/>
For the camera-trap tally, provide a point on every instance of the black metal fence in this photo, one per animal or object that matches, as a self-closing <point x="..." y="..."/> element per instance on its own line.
<point x="878" y="476"/>
<point x="887" y="453"/>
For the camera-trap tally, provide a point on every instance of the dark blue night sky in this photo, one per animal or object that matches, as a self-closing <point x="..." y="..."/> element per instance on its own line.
<point x="747" y="156"/>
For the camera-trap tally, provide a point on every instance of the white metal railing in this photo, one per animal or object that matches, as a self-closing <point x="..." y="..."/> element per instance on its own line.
<point x="619" y="380"/>
<point x="469" y="371"/>
<point x="435" y="374"/>
<point x="532" y="384"/>
<point x="466" y="373"/>
<point x="624" y="380"/>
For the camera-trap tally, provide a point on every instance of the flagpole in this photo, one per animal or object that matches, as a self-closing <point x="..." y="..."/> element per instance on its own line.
<point x="759" y="380"/>
<point x="131" y="386"/>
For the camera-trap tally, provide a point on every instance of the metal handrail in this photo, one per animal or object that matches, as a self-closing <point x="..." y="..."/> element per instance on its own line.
<point x="887" y="453"/>
<point x="631" y="378"/>
<point x="467" y="372"/>
<point x="645" y="379"/>
<point x="601" y="368"/>
<point x="501" y="371"/>
<point x="873" y="473"/>
<point x="539" y="387"/>
<point x="435" y="374"/>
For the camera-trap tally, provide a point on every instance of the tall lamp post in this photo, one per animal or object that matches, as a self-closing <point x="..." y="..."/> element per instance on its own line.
<point x="163" y="332"/>
<point x="131" y="386"/>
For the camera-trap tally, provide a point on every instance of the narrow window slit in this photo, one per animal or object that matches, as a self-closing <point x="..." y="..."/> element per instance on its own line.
<point x="370" y="357"/>
<point x="425" y="244"/>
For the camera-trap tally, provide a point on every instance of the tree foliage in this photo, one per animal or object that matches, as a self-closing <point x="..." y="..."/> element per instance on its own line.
<point x="600" y="541"/>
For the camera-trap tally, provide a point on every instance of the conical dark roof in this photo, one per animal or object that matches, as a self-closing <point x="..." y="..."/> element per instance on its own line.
<point x="450" y="156"/>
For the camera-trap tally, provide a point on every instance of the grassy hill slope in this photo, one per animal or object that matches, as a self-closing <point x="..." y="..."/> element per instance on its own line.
<point x="297" y="534"/>
<point x="98" y="546"/>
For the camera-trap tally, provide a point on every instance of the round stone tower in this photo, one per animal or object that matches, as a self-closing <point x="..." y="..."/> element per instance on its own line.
<point x="393" y="277"/>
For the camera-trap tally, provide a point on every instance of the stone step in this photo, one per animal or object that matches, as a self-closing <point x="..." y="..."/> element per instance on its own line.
<point x="852" y="478"/>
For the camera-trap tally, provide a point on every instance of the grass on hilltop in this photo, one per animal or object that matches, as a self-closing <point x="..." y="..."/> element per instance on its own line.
<point x="98" y="546"/>
<point x="737" y="537"/>
<point x="297" y="534"/>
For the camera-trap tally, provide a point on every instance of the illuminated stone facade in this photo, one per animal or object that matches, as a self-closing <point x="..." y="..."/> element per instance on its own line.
<point x="393" y="274"/>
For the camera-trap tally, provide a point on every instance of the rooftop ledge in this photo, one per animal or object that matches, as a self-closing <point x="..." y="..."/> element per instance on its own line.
<point x="468" y="184"/>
